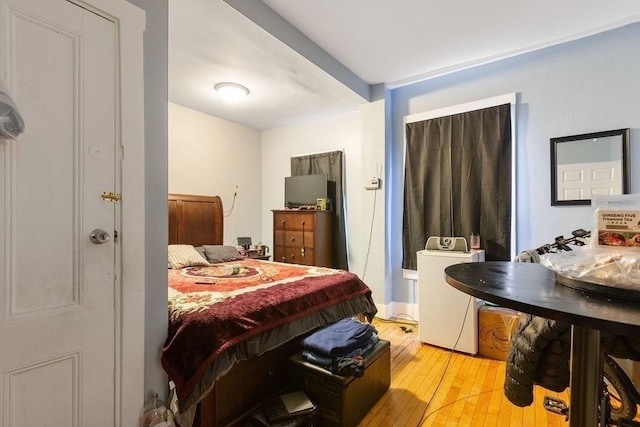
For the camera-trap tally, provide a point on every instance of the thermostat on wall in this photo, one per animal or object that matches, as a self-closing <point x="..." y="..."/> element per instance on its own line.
<point x="372" y="183"/>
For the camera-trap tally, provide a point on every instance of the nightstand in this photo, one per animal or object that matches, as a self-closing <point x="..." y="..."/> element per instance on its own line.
<point x="260" y="257"/>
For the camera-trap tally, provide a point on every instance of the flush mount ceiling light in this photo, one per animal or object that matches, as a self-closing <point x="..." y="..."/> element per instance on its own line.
<point x="231" y="92"/>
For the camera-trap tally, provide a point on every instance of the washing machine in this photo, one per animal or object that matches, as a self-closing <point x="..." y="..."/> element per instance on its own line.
<point x="447" y="317"/>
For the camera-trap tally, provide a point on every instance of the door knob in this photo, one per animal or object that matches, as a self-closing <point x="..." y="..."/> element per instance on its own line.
<point x="99" y="236"/>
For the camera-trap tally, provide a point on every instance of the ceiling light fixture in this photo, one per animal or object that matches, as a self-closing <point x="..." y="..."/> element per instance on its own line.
<point x="231" y="92"/>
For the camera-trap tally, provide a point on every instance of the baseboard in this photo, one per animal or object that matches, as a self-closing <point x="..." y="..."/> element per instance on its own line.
<point x="398" y="310"/>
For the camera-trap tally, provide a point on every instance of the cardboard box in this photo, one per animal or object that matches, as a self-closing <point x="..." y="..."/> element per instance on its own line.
<point x="495" y="327"/>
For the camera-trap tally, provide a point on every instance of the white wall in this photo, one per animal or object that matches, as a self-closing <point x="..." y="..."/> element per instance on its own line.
<point x="279" y="145"/>
<point x="210" y="156"/>
<point x="214" y="157"/>
<point x="361" y="136"/>
<point x="584" y="86"/>
<point x="371" y="263"/>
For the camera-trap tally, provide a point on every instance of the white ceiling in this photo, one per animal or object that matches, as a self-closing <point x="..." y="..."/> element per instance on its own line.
<point x="374" y="42"/>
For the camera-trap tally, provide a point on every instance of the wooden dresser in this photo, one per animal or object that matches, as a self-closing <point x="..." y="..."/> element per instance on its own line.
<point x="303" y="237"/>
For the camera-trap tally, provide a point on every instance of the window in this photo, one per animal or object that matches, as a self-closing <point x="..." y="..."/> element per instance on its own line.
<point x="459" y="177"/>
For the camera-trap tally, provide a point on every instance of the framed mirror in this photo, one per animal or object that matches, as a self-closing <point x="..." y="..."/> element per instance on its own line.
<point x="588" y="164"/>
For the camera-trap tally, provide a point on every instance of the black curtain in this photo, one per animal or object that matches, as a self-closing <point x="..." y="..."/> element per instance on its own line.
<point x="458" y="181"/>
<point x="331" y="165"/>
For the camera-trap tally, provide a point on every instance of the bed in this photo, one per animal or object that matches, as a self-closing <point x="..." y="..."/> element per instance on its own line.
<point x="233" y="324"/>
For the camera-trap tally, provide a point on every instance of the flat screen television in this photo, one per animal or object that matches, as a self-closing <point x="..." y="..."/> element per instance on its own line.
<point x="305" y="190"/>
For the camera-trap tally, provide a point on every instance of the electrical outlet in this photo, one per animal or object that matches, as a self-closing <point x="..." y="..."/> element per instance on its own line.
<point x="372" y="183"/>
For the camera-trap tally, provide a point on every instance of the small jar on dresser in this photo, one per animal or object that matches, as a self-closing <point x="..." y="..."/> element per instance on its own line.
<point x="303" y="237"/>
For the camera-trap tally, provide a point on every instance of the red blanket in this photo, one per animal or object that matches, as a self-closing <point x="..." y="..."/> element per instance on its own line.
<point x="215" y="307"/>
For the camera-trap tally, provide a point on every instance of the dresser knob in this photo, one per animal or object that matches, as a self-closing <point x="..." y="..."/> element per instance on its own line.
<point x="293" y="239"/>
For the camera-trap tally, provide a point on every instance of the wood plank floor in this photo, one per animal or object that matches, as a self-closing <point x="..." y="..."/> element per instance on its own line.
<point x="468" y="390"/>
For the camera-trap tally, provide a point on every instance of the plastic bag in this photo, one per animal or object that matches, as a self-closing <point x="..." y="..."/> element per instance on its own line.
<point x="155" y="412"/>
<point x="605" y="266"/>
<point x="11" y="122"/>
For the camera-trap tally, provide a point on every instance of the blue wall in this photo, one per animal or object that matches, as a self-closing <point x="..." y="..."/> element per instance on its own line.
<point x="588" y="85"/>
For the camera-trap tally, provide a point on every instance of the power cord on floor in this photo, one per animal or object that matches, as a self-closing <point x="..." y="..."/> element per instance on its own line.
<point x="423" y="417"/>
<point x="408" y="322"/>
<point x="458" y="400"/>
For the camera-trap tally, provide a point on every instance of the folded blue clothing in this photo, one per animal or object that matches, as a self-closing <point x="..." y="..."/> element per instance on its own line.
<point x="327" y="361"/>
<point x="364" y="349"/>
<point x="346" y="366"/>
<point x="339" y="339"/>
<point x="317" y="359"/>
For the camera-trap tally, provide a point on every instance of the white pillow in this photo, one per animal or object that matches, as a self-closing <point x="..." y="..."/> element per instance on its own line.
<point x="181" y="256"/>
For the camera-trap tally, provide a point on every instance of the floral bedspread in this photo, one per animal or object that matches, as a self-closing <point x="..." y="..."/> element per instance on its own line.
<point x="212" y="308"/>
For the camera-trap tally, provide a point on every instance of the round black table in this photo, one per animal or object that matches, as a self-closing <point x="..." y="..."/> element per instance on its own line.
<point x="532" y="288"/>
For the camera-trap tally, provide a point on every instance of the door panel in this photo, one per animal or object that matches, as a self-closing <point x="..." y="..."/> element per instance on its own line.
<point x="45" y="152"/>
<point x="577" y="181"/>
<point x="27" y="389"/>
<point x="57" y="322"/>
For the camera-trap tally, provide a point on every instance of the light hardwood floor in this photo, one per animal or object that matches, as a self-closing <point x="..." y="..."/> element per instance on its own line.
<point x="469" y="393"/>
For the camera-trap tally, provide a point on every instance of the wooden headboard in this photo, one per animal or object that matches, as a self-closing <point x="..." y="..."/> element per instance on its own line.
<point x="195" y="220"/>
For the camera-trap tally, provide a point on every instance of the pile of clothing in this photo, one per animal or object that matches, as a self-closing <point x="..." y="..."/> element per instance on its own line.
<point x="341" y="347"/>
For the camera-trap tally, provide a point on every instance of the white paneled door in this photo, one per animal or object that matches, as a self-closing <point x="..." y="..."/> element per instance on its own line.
<point x="578" y="181"/>
<point x="57" y="315"/>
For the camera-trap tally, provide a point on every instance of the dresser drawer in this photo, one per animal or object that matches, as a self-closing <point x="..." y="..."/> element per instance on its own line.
<point x="294" y="238"/>
<point x="293" y="230"/>
<point x="294" y="221"/>
<point x="294" y="256"/>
